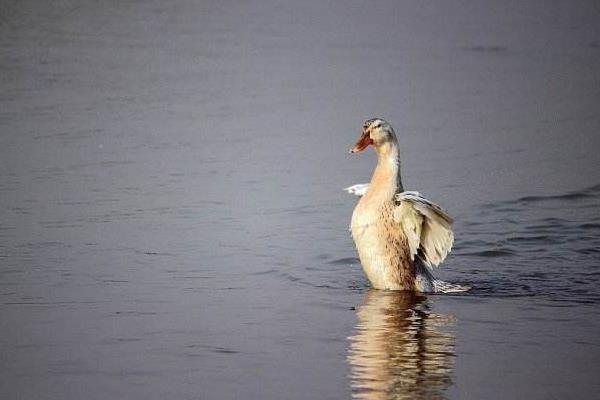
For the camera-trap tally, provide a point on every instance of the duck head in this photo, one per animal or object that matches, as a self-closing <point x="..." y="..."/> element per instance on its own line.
<point x="376" y="132"/>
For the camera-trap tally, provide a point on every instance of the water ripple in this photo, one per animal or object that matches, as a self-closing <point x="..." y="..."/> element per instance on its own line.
<point x="536" y="246"/>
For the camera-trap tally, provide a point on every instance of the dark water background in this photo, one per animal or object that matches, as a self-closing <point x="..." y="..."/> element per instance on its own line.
<point x="172" y="223"/>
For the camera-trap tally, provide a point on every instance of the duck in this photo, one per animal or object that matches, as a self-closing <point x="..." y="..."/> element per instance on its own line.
<point x="399" y="235"/>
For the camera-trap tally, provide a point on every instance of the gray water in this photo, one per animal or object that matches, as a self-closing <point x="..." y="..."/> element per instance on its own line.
<point x="172" y="223"/>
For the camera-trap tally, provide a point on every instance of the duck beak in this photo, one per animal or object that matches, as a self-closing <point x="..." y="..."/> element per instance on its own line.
<point x="364" y="141"/>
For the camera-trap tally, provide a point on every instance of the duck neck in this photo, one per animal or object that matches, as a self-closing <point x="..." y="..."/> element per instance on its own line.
<point x="386" y="181"/>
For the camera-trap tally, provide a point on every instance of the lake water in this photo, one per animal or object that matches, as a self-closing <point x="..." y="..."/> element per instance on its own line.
<point x="173" y="225"/>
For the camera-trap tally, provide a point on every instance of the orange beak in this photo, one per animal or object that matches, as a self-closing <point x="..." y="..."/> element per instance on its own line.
<point x="364" y="141"/>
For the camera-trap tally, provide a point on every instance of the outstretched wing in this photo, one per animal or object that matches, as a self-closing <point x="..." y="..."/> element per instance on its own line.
<point x="359" y="189"/>
<point x="426" y="226"/>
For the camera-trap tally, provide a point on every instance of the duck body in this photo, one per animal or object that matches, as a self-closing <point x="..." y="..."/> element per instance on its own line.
<point x="399" y="235"/>
<point x="383" y="250"/>
<point x="384" y="254"/>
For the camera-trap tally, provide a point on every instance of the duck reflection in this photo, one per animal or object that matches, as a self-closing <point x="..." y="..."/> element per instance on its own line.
<point x="400" y="350"/>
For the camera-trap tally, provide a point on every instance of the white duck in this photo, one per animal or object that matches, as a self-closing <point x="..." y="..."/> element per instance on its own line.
<point x="399" y="235"/>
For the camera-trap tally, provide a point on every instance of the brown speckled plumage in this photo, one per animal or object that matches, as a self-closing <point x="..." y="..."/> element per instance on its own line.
<point x="398" y="234"/>
<point x="397" y="254"/>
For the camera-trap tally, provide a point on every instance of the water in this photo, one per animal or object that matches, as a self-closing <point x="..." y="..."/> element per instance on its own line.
<point x="173" y="224"/>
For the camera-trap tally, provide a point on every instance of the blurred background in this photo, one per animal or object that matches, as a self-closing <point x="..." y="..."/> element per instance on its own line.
<point x="172" y="220"/>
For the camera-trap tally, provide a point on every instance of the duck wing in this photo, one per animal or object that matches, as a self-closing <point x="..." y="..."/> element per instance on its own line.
<point x="359" y="189"/>
<point x="426" y="225"/>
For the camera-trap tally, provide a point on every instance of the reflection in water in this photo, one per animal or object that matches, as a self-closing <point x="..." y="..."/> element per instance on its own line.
<point x="400" y="350"/>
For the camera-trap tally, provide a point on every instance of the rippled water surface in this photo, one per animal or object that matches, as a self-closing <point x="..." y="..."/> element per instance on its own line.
<point x="172" y="223"/>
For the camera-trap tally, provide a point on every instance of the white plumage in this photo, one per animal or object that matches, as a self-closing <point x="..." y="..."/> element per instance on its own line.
<point x="426" y="225"/>
<point x="359" y="189"/>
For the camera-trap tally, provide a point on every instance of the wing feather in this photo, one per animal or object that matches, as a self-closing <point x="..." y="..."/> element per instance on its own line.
<point x="359" y="189"/>
<point x="426" y="225"/>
